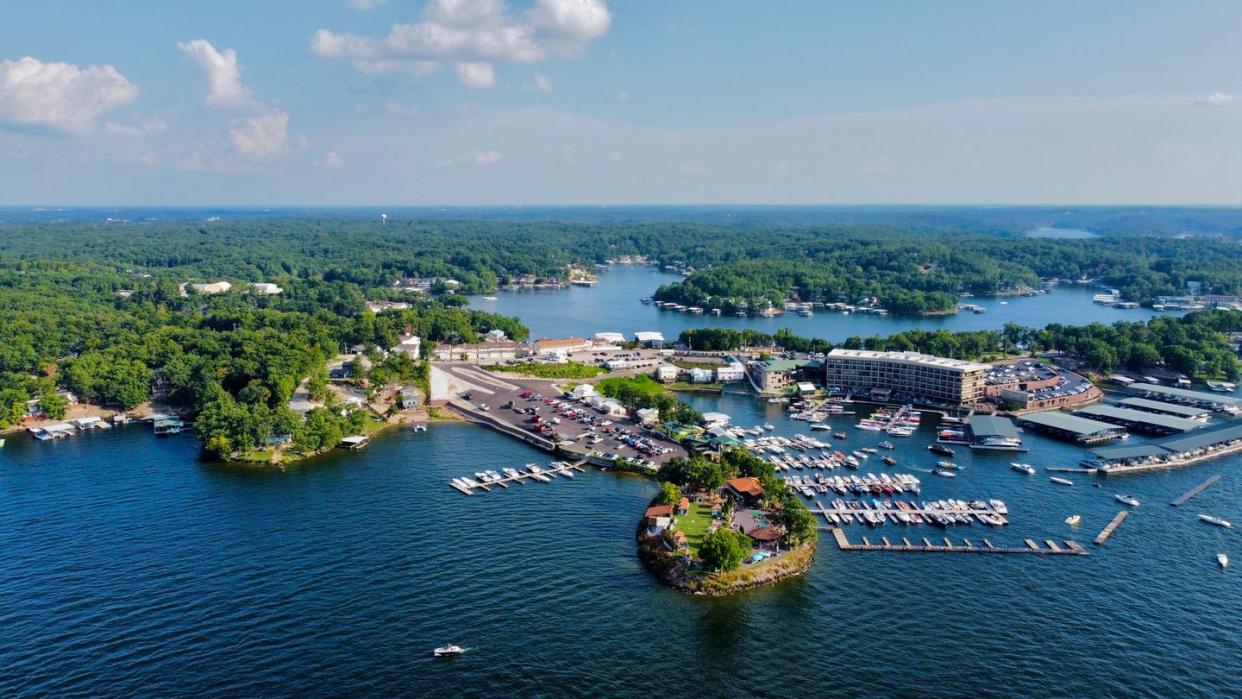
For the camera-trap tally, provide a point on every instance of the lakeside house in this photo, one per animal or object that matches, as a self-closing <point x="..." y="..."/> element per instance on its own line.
<point x="746" y="490"/>
<point x="667" y="373"/>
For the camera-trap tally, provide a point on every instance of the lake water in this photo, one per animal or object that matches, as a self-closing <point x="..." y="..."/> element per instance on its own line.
<point x="130" y="568"/>
<point x="613" y="305"/>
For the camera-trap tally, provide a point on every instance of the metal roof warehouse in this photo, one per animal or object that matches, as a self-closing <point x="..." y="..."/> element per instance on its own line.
<point x="1139" y="420"/>
<point x="1080" y="429"/>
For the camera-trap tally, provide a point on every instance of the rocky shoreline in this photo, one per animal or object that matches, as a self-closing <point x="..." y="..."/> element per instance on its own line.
<point x="671" y="571"/>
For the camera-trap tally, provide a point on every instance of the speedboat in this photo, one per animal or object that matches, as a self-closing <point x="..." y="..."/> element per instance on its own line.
<point x="944" y="473"/>
<point x="940" y="449"/>
<point x="1217" y="521"/>
<point x="947" y="464"/>
<point x="768" y="426"/>
<point x="1073" y="520"/>
<point x="888" y="460"/>
<point x="839" y="435"/>
<point x="821" y="426"/>
<point x="1222" y="559"/>
<point x="448" y="651"/>
<point x="999" y="506"/>
<point x="886" y="445"/>
<point x="1061" y="481"/>
<point x="1127" y="499"/>
<point x="1023" y="468"/>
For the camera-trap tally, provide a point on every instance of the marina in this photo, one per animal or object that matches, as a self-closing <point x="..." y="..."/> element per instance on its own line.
<point x="483" y="481"/>
<point x="941" y="513"/>
<point x="1051" y="548"/>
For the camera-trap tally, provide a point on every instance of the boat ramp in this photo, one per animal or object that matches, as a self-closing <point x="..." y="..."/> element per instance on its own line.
<point x="1050" y="548"/>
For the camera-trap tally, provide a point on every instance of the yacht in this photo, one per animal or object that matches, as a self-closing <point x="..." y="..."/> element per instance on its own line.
<point x="822" y="426"/>
<point x="1222" y="559"/>
<point x="1023" y="468"/>
<point x="1127" y="499"/>
<point x="839" y="435"/>
<point x="886" y="445"/>
<point x="940" y="449"/>
<point x="1217" y="521"/>
<point x="1073" y="520"/>
<point x="999" y="507"/>
<point x="1061" y="481"/>
<point x="888" y="460"/>
<point x="448" y="651"/>
<point x="944" y="473"/>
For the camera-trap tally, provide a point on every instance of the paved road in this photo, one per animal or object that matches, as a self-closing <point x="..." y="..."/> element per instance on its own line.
<point x="620" y="436"/>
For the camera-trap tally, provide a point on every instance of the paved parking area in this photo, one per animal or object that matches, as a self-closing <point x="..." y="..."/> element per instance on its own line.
<point x="537" y="406"/>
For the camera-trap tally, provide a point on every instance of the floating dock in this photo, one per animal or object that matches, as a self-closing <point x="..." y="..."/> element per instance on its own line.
<point x="1195" y="491"/>
<point x="521" y="478"/>
<point x="1072" y="548"/>
<point x="1112" y="527"/>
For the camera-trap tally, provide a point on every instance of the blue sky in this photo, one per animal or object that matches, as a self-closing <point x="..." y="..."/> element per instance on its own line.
<point x="619" y="102"/>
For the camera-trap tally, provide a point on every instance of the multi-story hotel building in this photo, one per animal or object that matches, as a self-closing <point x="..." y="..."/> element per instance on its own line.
<point x="906" y="374"/>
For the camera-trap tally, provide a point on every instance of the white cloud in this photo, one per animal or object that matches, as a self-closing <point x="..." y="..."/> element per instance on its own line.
<point x="470" y="32"/>
<point x="1219" y="99"/>
<point x="225" y="88"/>
<point x="476" y="74"/>
<point x="579" y="19"/>
<point x="330" y="161"/>
<point x="113" y="128"/>
<point x="487" y="157"/>
<point x="543" y="83"/>
<point x="365" y="5"/>
<point x="262" y="136"/>
<point x="60" y="96"/>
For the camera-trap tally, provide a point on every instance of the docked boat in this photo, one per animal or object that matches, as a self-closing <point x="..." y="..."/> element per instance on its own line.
<point x="768" y="426"/>
<point x="1223" y="560"/>
<point x="1023" y="468"/>
<point x="1061" y="481"/>
<point x="1073" y="520"/>
<point x="448" y="651"/>
<point x="999" y="507"/>
<point x="940" y="449"/>
<point x="1217" y="521"/>
<point x="944" y="473"/>
<point x="1127" y="499"/>
<point x="886" y="445"/>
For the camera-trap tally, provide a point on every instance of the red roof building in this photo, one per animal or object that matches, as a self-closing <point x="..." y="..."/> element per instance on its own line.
<point x="745" y="487"/>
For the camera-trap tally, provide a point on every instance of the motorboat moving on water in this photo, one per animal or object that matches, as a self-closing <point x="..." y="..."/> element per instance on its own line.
<point x="1073" y="520"/>
<point x="448" y="651"/>
<point x="1061" y="481"/>
<point x="1217" y="521"/>
<point x="940" y="449"/>
<point x="1023" y="468"/>
<point x="1127" y="499"/>
<point x="1222" y="559"/>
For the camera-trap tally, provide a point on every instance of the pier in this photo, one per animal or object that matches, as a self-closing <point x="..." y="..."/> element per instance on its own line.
<point x="1194" y="491"/>
<point x="1112" y="527"/>
<point x="1051" y="548"/>
<point x="890" y="514"/>
<point x="564" y="469"/>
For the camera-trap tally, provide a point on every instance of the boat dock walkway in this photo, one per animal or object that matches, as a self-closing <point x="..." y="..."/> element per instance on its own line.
<point x="1112" y="527"/>
<point x="521" y="479"/>
<point x="1069" y="469"/>
<point x="1195" y="491"/>
<point x="1051" y="548"/>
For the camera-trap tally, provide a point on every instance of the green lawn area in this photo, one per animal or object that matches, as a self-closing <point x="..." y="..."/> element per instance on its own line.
<point x="695" y="524"/>
<point x="569" y="370"/>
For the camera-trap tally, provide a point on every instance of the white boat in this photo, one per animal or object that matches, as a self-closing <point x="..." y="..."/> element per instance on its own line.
<point x="1023" y="468"/>
<point x="822" y="426"/>
<point x="1127" y="499"/>
<point x="1217" y="521"/>
<point x="768" y="426"/>
<point x="1223" y="560"/>
<point x="447" y="651"/>
<point x="490" y="298"/>
<point x="999" y="506"/>
<point x="568" y="473"/>
<point x="1073" y="520"/>
<point x="1061" y="481"/>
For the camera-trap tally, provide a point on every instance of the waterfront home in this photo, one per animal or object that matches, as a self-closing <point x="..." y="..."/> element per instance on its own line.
<point x="701" y="375"/>
<point x="667" y="373"/>
<point x="608" y="339"/>
<point x="745" y="490"/>
<point x="730" y="373"/>
<point x="658" y="518"/>
<point x="649" y="339"/>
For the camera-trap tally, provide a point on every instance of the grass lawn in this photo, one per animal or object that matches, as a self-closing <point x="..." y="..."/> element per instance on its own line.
<point x="695" y="524"/>
<point x="569" y="370"/>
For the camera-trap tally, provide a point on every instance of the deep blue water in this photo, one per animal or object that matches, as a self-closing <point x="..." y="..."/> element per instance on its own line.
<point x="130" y="568"/>
<point x="613" y="306"/>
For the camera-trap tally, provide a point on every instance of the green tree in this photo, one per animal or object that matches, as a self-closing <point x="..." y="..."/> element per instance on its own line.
<point x="670" y="494"/>
<point x="53" y="404"/>
<point x="724" y="549"/>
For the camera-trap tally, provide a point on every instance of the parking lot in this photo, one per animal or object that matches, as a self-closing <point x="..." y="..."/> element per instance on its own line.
<point x="536" y="406"/>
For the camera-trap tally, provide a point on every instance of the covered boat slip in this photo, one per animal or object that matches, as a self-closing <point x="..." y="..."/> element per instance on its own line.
<point x="1211" y="401"/>
<point x="993" y="432"/>
<point x="1170" y="451"/>
<point x="1066" y="426"/>
<point x="1157" y="406"/>
<point x="1138" y="420"/>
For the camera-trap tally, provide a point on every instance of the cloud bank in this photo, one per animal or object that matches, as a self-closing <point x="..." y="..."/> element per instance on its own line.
<point x="60" y="96"/>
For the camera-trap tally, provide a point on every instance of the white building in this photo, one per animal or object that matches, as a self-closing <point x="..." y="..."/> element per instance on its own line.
<point x="907" y="373"/>
<point x="583" y="391"/>
<point x="266" y="289"/>
<point x="495" y="335"/>
<point x="649" y="339"/>
<point x="730" y="373"/>
<point x="409" y="344"/>
<point x="667" y="373"/>
<point x="712" y="419"/>
<point x="648" y="416"/>
<point x="212" y="288"/>
<point x="381" y="306"/>
<point x="701" y="375"/>
<point x="609" y="339"/>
